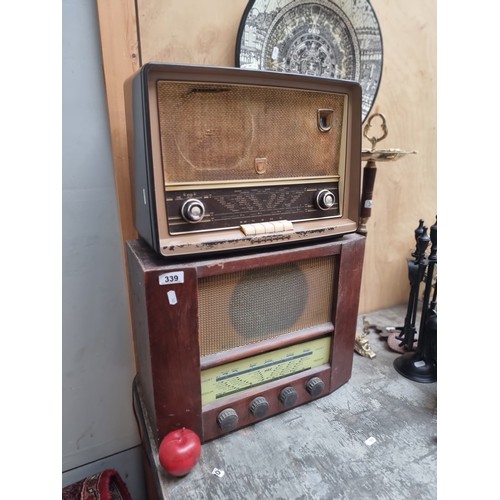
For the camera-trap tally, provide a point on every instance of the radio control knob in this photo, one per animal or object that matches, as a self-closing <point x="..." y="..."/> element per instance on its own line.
<point x="227" y="419"/>
<point x="325" y="199"/>
<point x="315" y="386"/>
<point x="259" y="407"/>
<point x="193" y="210"/>
<point x="288" y="396"/>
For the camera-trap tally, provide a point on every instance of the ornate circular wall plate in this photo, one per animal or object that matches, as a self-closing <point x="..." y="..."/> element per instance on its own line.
<point x="329" y="38"/>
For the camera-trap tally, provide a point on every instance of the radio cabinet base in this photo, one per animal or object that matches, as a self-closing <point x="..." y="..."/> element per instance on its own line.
<point x="225" y="343"/>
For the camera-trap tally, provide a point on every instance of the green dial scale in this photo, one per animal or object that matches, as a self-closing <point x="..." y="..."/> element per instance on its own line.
<point x="231" y="378"/>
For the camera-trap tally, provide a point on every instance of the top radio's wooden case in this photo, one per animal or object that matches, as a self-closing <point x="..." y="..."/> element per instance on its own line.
<point x="228" y="158"/>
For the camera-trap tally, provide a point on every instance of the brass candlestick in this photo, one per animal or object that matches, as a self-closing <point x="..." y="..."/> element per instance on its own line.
<point x="362" y="346"/>
<point x="370" y="170"/>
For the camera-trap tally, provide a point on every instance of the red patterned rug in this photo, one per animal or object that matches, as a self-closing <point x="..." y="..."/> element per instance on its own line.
<point x="106" y="485"/>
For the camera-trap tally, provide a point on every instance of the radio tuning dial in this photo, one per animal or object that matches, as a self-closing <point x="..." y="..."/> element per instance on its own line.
<point x="193" y="210"/>
<point x="315" y="386"/>
<point x="259" y="407"/>
<point x="325" y="199"/>
<point x="288" y="396"/>
<point x="227" y="419"/>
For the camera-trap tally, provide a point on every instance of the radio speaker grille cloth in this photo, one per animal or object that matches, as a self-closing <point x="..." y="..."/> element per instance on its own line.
<point x="214" y="133"/>
<point x="241" y="308"/>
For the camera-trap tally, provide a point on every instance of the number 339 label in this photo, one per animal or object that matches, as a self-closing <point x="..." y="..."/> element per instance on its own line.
<point x="171" y="278"/>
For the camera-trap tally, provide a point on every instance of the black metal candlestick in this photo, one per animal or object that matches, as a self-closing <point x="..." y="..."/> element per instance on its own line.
<point x="421" y="365"/>
<point x="416" y="272"/>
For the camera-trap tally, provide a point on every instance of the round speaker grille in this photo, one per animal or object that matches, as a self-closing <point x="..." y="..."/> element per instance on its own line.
<point x="268" y="301"/>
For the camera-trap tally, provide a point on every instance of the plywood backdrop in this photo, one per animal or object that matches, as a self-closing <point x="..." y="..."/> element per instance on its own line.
<point x="204" y="32"/>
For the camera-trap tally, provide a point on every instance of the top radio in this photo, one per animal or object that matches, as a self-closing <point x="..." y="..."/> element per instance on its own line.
<point x="230" y="158"/>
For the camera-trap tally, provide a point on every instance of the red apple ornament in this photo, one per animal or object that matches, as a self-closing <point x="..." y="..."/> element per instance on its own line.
<point x="179" y="451"/>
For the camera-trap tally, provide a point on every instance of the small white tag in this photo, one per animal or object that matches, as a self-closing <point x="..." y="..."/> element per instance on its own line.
<point x="368" y="203"/>
<point x="275" y="53"/>
<point x="171" y="278"/>
<point x="419" y="364"/>
<point x="218" y="472"/>
<point x="370" y="441"/>
<point x="172" y="297"/>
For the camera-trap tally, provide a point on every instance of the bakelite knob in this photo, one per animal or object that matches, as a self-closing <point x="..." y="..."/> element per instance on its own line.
<point x="193" y="210"/>
<point x="315" y="386"/>
<point x="259" y="407"/>
<point x="288" y="396"/>
<point x="227" y="419"/>
<point x="325" y="199"/>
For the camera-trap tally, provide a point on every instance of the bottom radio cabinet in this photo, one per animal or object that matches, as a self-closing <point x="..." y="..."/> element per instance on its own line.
<point x="224" y="342"/>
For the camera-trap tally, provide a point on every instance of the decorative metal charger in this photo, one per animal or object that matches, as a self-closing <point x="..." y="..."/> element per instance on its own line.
<point x="338" y="39"/>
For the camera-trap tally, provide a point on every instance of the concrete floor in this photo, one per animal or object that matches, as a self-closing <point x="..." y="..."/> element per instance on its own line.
<point x="322" y="450"/>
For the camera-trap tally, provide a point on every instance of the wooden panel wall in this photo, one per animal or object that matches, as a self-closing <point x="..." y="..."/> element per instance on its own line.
<point x="121" y="58"/>
<point x="204" y="32"/>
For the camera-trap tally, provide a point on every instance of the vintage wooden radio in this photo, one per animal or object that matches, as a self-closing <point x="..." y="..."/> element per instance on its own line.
<point x="228" y="158"/>
<point x="222" y="343"/>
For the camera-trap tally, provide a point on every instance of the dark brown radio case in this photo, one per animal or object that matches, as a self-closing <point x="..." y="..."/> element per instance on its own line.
<point x="228" y="158"/>
<point x="276" y="327"/>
